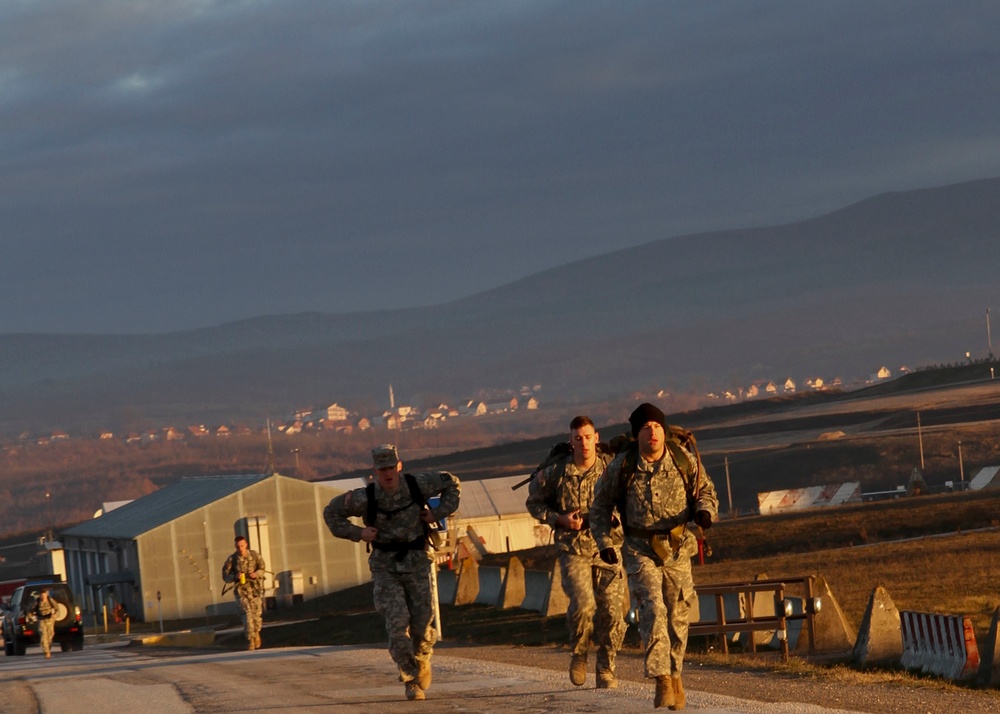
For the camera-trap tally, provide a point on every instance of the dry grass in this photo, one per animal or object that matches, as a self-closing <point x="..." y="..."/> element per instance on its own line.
<point x="945" y="570"/>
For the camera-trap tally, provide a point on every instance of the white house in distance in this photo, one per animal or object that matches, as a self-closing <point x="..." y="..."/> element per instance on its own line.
<point x="165" y="551"/>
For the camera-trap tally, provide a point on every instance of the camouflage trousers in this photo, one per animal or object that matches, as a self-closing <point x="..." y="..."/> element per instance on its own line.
<point x="665" y="594"/>
<point x="404" y="600"/>
<point x="251" y="612"/>
<point x="595" y="614"/>
<point x="46" y="631"/>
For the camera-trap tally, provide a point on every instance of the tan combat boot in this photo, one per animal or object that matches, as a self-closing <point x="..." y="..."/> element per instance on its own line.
<point x="664" y="692"/>
<point x="578" y="669"/>
<point x="424" y="674"/>
<point x="256" y="640"/>
<point x="679" y="699"/>
<point x="413" y="691"/>
<point x="606" y="679"/>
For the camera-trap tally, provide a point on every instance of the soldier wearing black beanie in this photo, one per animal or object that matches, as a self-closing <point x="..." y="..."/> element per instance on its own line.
<point x="643" y="414"/>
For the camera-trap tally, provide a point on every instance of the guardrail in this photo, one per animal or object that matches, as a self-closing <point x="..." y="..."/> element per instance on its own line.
<point x="784" y="611"/>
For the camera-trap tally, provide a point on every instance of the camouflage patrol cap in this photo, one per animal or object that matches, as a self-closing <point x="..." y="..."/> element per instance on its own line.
<point x="384" y="456"/>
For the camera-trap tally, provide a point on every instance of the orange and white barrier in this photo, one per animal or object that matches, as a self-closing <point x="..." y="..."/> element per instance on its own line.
<point x="944" y="645"/>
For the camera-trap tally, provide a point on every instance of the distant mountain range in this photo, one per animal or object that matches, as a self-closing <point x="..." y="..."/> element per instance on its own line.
<point x="901" y="278"/>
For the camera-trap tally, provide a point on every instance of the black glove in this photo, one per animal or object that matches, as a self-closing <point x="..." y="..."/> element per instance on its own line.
<point x="609" y="556"/>
<point x="703" y="519"/>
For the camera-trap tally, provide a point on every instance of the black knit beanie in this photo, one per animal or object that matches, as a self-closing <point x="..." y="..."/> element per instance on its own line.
<point x="643" y="414"/>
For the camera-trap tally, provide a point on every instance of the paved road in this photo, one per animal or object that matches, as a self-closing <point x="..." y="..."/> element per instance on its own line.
<point x="311" y="679"/>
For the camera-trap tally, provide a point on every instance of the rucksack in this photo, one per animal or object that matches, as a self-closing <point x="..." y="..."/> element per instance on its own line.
<point x="559" y="454"/>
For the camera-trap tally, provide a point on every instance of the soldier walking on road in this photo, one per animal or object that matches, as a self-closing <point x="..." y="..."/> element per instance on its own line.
<point x="396" y="527"/>
<point x="245" y="570"/>
<point x="560" y="496"/>
<point x="45" y="613"/>
<point x="658" y="485"/>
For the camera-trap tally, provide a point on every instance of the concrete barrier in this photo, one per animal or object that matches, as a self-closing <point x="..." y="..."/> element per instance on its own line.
<point x="447" y="586"/>
<point x="989" y="669"/>
<point x="491" y="579"/>
<point x="880" y="638"/>
<point x="558" y="601"/>
<point x="762" y="606"/>
<point x="513" y="585"/>
<point x="537" y="584"/>
<point x="944" y="645"/>
<point x="733" y="608"/>
<point x="830" y="629"/>
<point x="544" y="593"/>
<point x="467" y="589"/>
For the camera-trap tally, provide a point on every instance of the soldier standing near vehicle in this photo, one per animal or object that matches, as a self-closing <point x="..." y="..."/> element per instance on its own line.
<point x="245" y="570"/>
<point x="658" y="485"/>
<point x="396" y="528"/>
<point x="560" y="496"/>
<point x="45" y="613"/>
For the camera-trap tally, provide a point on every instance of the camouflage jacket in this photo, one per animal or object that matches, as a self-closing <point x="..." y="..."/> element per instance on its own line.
<point x="655" y="499"/>
<point x="563" y="488"/>
<point x="45" y="609"/>
<point x="397" y="520"/>
<point x="249" y="563"/>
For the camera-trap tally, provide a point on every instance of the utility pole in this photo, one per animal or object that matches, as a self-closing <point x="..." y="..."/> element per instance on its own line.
<point x="269" y="467"/>
<point x="989" y="339"/>
<point x="920" y="441"/>
<point x="296" y="452"/>
<point x="729" y="488"/>
<point x="961" y="466"/>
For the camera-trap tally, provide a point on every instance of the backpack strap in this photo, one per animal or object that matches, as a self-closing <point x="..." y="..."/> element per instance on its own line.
<point x="372" y="511"/>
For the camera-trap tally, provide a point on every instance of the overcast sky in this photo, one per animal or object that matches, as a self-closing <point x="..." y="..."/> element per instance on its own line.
<point x="182" y="163"/>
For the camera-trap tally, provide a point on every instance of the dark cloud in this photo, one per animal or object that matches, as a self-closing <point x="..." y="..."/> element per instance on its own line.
<point x="181" y="163"/>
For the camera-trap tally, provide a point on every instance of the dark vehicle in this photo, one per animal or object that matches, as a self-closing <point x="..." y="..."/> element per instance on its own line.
<point x="20" y="628"/>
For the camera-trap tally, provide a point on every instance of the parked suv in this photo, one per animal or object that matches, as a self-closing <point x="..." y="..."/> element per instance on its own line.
<point x="20" y="628"/>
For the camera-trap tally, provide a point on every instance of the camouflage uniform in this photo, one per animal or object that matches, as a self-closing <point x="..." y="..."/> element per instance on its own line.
<point x="656" y="500"/>
<point x="45" y="613"/>
<point x="250" y="594"/>
<point x="401" y="578"/>
<point x="596" y="590"/>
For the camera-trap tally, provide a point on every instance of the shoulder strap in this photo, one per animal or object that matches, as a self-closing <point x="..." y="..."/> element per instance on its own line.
<point x="415" y="493"/>
<point x="372" y="505"/>
<point x="629" y="465"/>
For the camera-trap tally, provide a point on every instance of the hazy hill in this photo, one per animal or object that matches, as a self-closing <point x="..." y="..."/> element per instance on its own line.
<point x="902" y="278"/>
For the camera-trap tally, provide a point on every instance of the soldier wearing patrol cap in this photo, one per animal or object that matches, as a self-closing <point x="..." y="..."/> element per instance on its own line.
<point x="657" y="486"/>
<point x="396" y="518"/>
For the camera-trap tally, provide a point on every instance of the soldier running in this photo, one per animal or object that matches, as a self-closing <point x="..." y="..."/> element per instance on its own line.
<point x="396" y="517"/>
<point x="657" y="486"/>
<point x="245" y="570"/>
<point x="560" y="496"/>
<point x="45" y="613"/>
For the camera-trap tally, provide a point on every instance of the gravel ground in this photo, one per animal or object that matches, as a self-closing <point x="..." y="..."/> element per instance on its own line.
<point x="826" y="688"/>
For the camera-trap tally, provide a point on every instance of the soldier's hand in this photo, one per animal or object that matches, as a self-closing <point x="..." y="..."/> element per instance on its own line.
<point x="571" y="521"/>
<point x="703" y="519"/>
<point x="368" y="534"/>
<point x="609" y="556"/>
<point x="426" y="515"/>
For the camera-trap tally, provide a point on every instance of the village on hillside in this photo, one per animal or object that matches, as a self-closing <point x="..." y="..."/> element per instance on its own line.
<point x="339" y="419"/>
